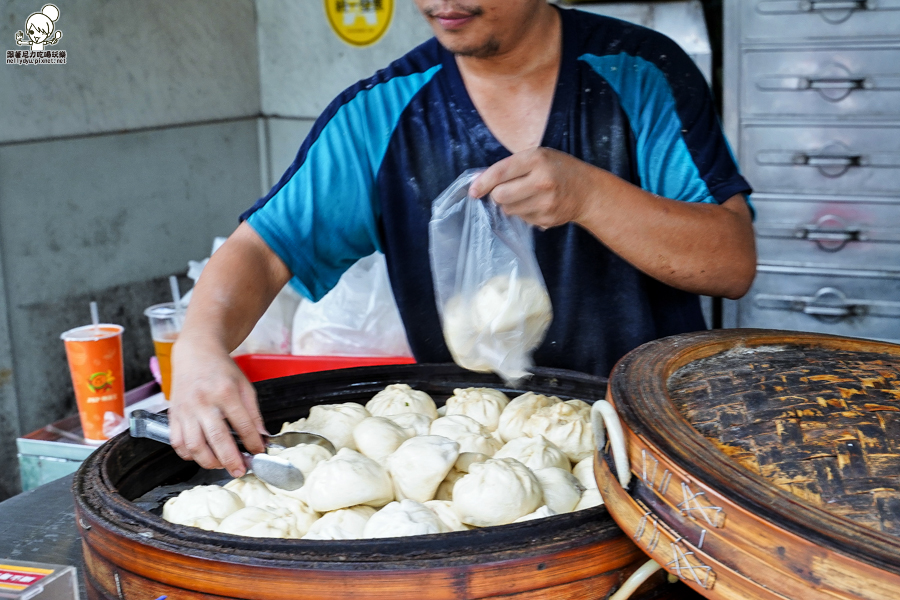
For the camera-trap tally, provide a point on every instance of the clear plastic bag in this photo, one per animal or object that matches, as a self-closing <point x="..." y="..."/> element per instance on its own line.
<point x="491" y="297"/>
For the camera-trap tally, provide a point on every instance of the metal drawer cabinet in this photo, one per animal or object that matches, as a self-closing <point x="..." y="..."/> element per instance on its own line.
<point x="841" y="82"/>
<point x="827" y="231"/>
<point x="834" y="159"/>
<point x="783" y="19"/>
<point x="842" y="302"/>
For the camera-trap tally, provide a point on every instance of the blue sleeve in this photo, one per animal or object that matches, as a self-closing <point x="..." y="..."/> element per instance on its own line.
<point x="323" y="215"/>
<point x="681" y="151"/>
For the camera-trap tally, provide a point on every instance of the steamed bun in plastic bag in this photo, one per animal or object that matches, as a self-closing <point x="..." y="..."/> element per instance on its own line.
<point x="406" y="517"/>
<point x="496" y="492"/>
<point x="347" y="479"/>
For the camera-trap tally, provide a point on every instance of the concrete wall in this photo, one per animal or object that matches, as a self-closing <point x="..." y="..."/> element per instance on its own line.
<point x="169" y="118"/>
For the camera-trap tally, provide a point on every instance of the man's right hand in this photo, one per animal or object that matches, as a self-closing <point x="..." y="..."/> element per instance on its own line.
<point x="209" y="393"/>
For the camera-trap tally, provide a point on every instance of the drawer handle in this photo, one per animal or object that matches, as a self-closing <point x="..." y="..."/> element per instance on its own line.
<point x="832" y="11"/>
<point x="829" y="304"/>
<point x="832" y="89"/>
<point x="820" y="5"/>
<point x="827" y="83"/>
<point x="830" y="233"/>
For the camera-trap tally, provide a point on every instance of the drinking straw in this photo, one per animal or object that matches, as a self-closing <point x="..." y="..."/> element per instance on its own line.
<point x="95" y="318"/>
<point x="176" y="299"/>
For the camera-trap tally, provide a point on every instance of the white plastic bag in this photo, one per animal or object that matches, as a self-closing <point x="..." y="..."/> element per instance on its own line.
<point x="491" y="297"/>
<point x="359" y="317"/>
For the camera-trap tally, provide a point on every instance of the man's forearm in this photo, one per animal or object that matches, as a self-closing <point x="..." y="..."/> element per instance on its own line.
<point x="697" y="247"/>
<point x="238" y="284"/>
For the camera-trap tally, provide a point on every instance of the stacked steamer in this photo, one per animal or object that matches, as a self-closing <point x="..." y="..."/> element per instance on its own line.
<point x="483" y="495"/>
<point x="763" y="464"/>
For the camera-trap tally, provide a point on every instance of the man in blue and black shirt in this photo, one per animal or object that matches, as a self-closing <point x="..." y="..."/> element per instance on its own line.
<point x="601" y="133"/>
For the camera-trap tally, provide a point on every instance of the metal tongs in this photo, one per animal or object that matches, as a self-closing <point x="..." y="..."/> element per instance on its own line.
<point x="270" y="469"/>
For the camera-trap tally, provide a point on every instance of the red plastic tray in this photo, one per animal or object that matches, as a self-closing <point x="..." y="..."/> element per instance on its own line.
<point x="258" y="367"/>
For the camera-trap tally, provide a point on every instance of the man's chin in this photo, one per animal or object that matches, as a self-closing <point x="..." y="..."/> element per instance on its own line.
<point x="485" y="49"/>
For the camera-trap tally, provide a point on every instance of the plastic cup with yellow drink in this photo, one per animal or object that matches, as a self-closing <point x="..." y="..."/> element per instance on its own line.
<point x="165" y="323"/>
<point x="95" y="362"/>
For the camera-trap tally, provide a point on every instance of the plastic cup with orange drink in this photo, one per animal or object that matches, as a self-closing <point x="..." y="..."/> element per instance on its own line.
<point x="95" y="362"/>
<point x="165" y="323"/>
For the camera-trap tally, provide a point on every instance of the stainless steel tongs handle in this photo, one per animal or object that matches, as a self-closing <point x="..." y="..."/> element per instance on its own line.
<point x="150" y="425"/>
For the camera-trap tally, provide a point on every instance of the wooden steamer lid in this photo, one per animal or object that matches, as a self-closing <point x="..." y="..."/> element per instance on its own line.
<point x="764" y="464"/>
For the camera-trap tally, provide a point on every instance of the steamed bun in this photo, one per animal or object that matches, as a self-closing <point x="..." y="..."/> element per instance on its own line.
<point x="412" y="423"/>
<point x="251" y="490"/>
<point x="419" y="466"/>
<point x="518" y="411"/>
<point x="589" y="499"/>
<point x="561" y="490"/>
<point x="400" y="398"/>
<point x="498" y="326"/>
<point x="544" y="511"/>
<point x="255" y="521"/>
<point x="406" y="517"/>
<point x="496" y="492"/>
<point x="343" y="524"/>
<point x="534" y="453"/>
<point x="347" y="479"/>
<point x="202" y="506"/>
<point x="377" y="437"/>
<point x="584" y="472"/>
<point x="334" y="422"/>
<point x="482" y="404"/>
<point x="471" y="435"/>
<point x="566" y="427"/>
<point x="444" y="511"/>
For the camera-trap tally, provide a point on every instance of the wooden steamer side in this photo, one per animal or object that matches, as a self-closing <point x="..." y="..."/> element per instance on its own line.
<point x="725" y="531"/>
<point x="132" y="553"/>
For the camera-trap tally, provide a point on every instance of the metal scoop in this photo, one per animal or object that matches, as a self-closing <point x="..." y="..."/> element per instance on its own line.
<point x="270" y="469"/>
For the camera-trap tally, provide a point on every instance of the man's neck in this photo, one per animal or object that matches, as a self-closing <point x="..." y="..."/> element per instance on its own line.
<point x="536" y="49"/>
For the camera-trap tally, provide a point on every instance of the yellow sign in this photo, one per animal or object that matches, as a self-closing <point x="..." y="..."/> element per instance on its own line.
<point x="359" y="22"/>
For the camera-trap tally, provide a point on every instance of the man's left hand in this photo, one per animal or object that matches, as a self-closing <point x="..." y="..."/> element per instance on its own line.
<point x="542" y="186"/>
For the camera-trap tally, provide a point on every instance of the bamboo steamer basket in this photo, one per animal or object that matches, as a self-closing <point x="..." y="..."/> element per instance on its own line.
<point x="763" y="464"/>
<point x="132" y="553"/>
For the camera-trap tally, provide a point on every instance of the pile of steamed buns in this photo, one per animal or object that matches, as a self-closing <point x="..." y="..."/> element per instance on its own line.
<point x="403" y="467"/>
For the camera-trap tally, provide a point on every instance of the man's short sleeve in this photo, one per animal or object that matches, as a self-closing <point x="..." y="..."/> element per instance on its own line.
<point x="323" y="215"/>
<point x="681" y="151"/>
